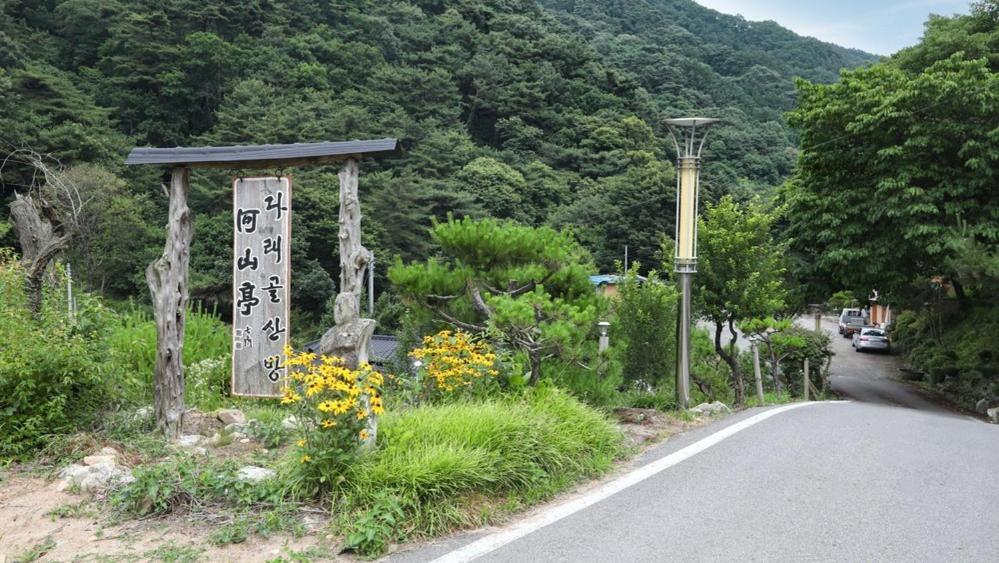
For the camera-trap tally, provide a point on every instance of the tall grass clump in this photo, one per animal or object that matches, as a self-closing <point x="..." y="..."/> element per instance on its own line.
<point x="445" y="464"/>
<point x="207" y="347"/>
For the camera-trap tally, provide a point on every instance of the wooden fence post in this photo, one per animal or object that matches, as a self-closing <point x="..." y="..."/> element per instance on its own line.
<point x="756" y="372"/>
<point x="167" y="279"/>
<point x="806" y="381"/>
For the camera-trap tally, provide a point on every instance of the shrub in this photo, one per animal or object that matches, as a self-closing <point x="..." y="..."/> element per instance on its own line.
<point x="207" y="383"/>
<point x="597" y="384"/>
<point x="646" y="328"/>
<point x="336" y="406"/>
<point x="793" y="345"/>
<point x="52" y="374"/>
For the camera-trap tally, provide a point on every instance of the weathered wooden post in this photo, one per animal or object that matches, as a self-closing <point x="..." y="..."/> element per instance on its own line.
<point x="805" y="382"/>
<point x="350" y="337"/>
<point x="167" y="279"/>
<point x="757" y="374"/>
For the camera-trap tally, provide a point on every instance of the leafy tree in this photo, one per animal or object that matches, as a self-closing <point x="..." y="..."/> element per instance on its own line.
<point x="739" y="273"/>
<point x="896" y="158"/>
<point x="496" y="186"/>
<point x="526" y="286"/>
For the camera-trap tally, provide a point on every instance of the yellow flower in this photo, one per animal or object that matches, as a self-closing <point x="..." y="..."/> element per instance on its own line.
<point x="363" y="434"/>
<point x="361" y="415"/>
<point x="300" y="443"/>
<point x="306" y="458"/>
<point x="378" y="410"/>
<point x="329" y="423"/>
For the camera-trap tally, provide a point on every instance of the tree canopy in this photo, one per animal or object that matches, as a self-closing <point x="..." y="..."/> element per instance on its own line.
<point x="545" y="112"/>
<point x="899" y="160"/>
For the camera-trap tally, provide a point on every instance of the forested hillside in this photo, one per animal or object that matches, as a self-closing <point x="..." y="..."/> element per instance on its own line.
<point x="546" y="113"/>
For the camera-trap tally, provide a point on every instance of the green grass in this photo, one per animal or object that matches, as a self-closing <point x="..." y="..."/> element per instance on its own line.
<point x="132" y="341"/>
<point x="769" y="398"/>
<point x="454" y="465"/>
<point x="172" y="552"/>
<point x="37" y="551"/>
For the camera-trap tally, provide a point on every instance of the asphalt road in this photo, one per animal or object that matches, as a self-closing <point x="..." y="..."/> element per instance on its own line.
<point x="888" y="476"/>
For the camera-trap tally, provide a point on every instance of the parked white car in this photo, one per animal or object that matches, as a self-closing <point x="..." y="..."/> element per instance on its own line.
<point x="871" y="338"/>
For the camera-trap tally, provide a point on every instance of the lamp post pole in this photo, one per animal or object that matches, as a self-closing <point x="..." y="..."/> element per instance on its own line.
<point x="689" y="134"/>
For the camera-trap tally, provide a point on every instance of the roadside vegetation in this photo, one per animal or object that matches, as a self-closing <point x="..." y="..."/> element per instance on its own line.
<point x="490" y="226"/>
<point x="895" y="192"/>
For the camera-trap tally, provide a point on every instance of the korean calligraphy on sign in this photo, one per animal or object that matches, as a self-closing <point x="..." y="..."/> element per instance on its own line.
<point x="261" y="276"/>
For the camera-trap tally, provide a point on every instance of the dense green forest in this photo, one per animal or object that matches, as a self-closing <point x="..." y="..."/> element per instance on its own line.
<point x="547" y="113"/>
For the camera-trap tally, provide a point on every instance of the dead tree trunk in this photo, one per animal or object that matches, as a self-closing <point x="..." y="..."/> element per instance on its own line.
<point x="167" y="279"/>
<point x="40" y="240"/>
<point x="350" y="337"/>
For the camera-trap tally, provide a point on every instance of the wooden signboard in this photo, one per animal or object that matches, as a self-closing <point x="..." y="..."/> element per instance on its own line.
<point x="261" y="278"/>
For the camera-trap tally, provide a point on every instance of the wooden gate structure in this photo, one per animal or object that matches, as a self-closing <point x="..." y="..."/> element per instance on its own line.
<point x="167" y="276"/>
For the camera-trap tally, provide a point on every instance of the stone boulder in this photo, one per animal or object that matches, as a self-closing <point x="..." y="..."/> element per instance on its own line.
<point x="993" y="415"/>
<point x="254" y="474"/>
<point x="632" y="415"/>
<point x="710" y="408"/>
<point x="232" y="416"/>
<point x="98" y="477"/>
<point x="190" y="440"/>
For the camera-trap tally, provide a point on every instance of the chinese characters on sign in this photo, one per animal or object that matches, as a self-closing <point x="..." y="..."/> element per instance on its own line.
<point x="260" y="280"/>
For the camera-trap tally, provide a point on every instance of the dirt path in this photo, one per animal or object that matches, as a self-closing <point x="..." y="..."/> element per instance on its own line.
<point x="31" y="524"/>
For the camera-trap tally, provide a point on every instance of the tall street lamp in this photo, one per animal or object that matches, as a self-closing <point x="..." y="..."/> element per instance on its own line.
<point x="688" y="135"/>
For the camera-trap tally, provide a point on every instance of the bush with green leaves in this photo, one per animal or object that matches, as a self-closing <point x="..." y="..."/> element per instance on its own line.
<point x="645" y="328"/>
<point x="53" y="373"/>
<point x="956" y="351"/>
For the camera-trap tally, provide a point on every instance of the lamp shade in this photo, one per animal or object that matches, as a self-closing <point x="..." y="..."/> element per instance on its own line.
<point x="686" y="219"/>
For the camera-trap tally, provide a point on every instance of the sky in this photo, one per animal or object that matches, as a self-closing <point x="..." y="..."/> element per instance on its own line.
<point x="876" y="26"/>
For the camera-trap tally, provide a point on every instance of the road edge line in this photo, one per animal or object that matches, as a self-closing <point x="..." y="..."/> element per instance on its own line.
<point x="496" y="540"/>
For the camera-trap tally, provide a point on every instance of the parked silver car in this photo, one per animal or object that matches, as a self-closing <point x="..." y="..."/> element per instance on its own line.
<point x="871" y="338"/>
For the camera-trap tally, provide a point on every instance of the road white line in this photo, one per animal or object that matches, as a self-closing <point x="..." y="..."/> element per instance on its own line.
<point x="494" y="541"/>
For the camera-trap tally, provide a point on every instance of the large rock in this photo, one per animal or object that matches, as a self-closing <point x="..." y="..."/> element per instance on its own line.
<point x="189" y="440"/>
<point x="96" y="478"/>
<point x="982" y="406"/>
<point x="632" y="415"/>
<point x="711" y="408"/>
<point x="232" y="416"/>
<point x="254" y="474"/>
<point x="100" y="459"/>
<point x="994" y="415"/>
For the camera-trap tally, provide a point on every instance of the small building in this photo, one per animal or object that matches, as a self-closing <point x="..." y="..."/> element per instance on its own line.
<point x="880" y="313"/>
<point x="606" y="284"/>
